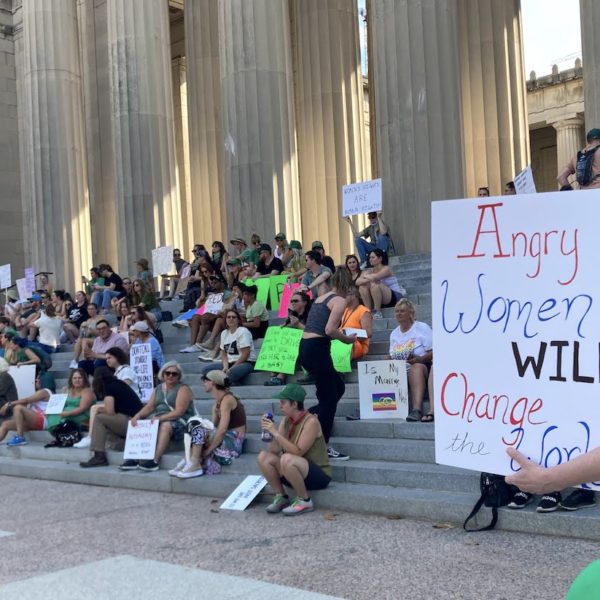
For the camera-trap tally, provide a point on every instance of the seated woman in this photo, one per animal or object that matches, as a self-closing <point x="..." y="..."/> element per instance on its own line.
<point x="412" y="341"/>
<point x="353" y="265"/>
<point x="16" y="353"/>
<point x="171" y="404"/>
<point x="124" y="317"/>
<point x="237" y="350"/>
<point x="210" y="449"/>
<point x="87" y="333"/>
<point x="8" y="390"/>
<point x="145" y="298"/>
<point x="50" y="328"/>
<point x="58" y="298"/>
<point x="378" y="286"/>
<point x="76" y="316"/>
<point x="120" y="404"/>
<point x="127" y="296"/>
<point x="145" y="274"/>
<point x="357" y="316"/>
<point x="95" y="279"/>
<point x="300" y="304"/>
<point x="297" y="455"/>
<point x="137" y="314"/>
<point x="219" y="257"/>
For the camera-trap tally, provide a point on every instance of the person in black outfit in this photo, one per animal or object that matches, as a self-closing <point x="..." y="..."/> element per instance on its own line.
<point x="327" y="261"/>
<point x="268" y="264"/>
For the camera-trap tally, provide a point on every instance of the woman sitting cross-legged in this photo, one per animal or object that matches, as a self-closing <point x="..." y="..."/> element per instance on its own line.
<point x="297" y="455"/>
<point x="120" y="404"/>
<point x="218" y="445"/>
<point x="171" y="405"/>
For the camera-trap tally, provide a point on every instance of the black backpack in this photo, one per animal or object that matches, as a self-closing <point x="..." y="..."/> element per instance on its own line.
<point x="583" y="167"/>
<point x="495" y="492"/>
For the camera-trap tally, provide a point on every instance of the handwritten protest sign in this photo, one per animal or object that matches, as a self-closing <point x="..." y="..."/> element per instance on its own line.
<point x="56" y="404"/>
<point x="24" y="378"/>
<point x="5" y="277"/>
<point x="30" y="279"/>
<point x="286" y="296"/>
<point x="162" y="260"/>
<point x="279" y="350"/>
<point x="516" y="316"/>
<point x="383" y="389"/>
<point x="22" y="289"/>
<point x="140" y="358"/>
<point x="244" y="493"/>
<point x="340" y="354"/>
<point x="213" y="304"/>
<point x="524" y="183"/>
<point x="140" y="443"/>
<point x="263" y="285"/>
<point x="360" y="198"/>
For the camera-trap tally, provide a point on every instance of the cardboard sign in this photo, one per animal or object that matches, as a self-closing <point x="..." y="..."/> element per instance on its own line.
<point x="340" y="355"/>
<point x="5" y="277"/>
<point x="140" y="359"/>
<point x="30" y="279"/>
<point x="516" y="316"/>
<point x="361" y="198"/>
<point x="383" y="389"/>
<point x="22" y="289"/>
<point x="286" y="295"/>
<point x="24" y="378"/>
<point x="162" y="260"/>
<point x="140" y="443"/>
<point x="244" y="493"/>
<point x="56" y="404"/>
<point x="276" y="285"/>
<point x="524" y="183"/>
<point x="279" y="350"/>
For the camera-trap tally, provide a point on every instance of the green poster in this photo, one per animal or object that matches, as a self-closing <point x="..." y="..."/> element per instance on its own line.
<point x="276" y="289"/>
<point x="279" y="350"/>
<point x="262" y="292"/>
<point x="340" y="354"/>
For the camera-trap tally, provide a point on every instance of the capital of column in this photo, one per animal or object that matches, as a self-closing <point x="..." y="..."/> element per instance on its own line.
<point x="574" y="123"/>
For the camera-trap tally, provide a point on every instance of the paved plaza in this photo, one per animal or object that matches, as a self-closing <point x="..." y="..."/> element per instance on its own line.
<point x="71" y="541"/>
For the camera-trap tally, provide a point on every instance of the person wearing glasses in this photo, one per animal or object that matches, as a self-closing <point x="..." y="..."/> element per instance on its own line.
<point x="171" y="404"/>
<point x="95" y="356"/>
<point x="282" y="250"/>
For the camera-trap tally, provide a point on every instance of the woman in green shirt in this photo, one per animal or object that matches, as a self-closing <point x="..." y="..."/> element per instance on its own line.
<point x="80" y="399"/>
<point x="95" y="280"/>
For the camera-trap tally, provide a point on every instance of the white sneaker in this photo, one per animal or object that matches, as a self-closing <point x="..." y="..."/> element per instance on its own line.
<point x="85" y="443"/>
<point x="181" y="323"/>
<point x="189" y="349"/>
<point x="190" y="471"/>
<point x="208" y="357"/>
<point x="73" y="364"/>
<point x="180" y="465"/>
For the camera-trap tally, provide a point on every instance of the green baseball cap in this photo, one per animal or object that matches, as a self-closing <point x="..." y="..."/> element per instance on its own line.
<point x="234" y="261"/>
<point x="280" y="236"/>
<point x="292" y="392"/>
<point x="295" y="245"/>
<point x="317" y="244"/>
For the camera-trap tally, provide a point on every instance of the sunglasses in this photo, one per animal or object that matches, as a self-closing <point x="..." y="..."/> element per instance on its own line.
<point x="294" y="301"/>
<point x="171" y="374"/>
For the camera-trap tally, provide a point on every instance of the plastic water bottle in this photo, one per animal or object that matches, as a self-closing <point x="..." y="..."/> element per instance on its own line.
<point x="266" y="436"/>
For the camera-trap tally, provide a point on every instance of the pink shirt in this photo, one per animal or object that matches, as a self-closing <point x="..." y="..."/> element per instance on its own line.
<point x="100" y="346"/>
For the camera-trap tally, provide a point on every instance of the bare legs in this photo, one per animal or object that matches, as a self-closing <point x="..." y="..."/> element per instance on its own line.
<point x="293" y="468"/>
<point x="375" y="294"/>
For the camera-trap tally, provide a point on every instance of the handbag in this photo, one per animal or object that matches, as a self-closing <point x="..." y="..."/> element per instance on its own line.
<point x="65" y="435"/>
<point x="495" y="492"/>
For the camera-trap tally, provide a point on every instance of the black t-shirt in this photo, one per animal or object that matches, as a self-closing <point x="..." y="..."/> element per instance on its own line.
<point x="114" y="278"/>
<point x="275" y="265"/>
<point x="78" y="314"/>
<point x="328" y="262"/>
<point x="127" y="401"/>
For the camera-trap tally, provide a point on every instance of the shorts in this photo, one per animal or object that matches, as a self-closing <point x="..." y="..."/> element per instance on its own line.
<point x="41" y="422"/>
<point x="316" y="478"/>
<point x="393" y="300"/>
<point x="177" y="430"/>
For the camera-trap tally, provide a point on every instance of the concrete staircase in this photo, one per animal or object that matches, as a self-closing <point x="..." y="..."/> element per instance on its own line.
<point x="391" y="470"/>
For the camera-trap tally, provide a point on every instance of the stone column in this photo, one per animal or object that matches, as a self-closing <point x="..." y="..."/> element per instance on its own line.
<point x="146" y="190"/>
<point x="329" y="116"/>
<point x="589" y="13"/>
<point x="54" y="190"/>
<point x="493" y="93"/>
<point x="260" y="163"/>
<point x="569" y="139"/>
<point x="415" y="73"/>
<point x="201" y="19"/>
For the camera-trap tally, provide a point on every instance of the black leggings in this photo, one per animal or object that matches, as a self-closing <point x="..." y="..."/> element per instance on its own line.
<point x="315" y="357"/>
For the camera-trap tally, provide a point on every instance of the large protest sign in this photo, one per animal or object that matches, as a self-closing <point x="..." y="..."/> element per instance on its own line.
<point x="516" y="316"/>
<point x="383" y="389"/>
<point x="140" y="358"/>
<point x="361" y="198"/>
<point x="286" y="296"/>
<point x="24" y="378"/>
<point x="5" y="277"/>
<point x="244" y="493"/>
<point x="279" y="350"/>
<point x="140" y="443"/>
<point x="162" y="260"/>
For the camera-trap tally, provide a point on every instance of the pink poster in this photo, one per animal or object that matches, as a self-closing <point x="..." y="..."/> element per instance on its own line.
<point x="286" y="296"/>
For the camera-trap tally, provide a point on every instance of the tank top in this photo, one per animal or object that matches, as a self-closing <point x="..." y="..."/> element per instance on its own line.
<point x="392" y="282"/>
<point x="166" y="403"/>
<point x="72" y="403"/>
<point x="318" y="316"/>
<point x="237" y="417"/>
<point x="317" y="453"/>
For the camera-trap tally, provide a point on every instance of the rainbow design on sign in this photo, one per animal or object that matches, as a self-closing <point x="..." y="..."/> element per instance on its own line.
<point x="384" y="401"/>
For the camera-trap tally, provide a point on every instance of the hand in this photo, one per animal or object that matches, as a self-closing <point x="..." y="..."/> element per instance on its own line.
<point x="531" y="478"/>
<point x="348" y="219"/>
<point x="154" y="418"/>
<point x="351" y="338"/>
<point x="63" y="415"/>
<point x="413" y="360"/>
<point x="268" y="425"/>
<point x="225" y="369"/>
<point x="294" y="320"/>
<point x="3" y="409"/>
<point x="134" y="422"/>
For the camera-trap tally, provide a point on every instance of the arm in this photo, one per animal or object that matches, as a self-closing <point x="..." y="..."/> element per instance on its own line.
<point x="381" y="274"/>
<point x="109" y="405"/>
<point x="32" y="358"/>
<point x="244" y="354"/>
<point x="182" y="401"/>
<point x="322" y="278"/>
<point x="355" y="231"/>
<point x="227" y="405"/>
<point x="563" y="176"/>
<point x="383" y="228"/>
<point x="307" y="437"/>
<point x="147" y="409"/>
<point x="87" y="399"/>
<point x="337" y="307"/>
<point x="427" y="357"/>
<point x="366" y="322"/>
<point x="39" y="396"/>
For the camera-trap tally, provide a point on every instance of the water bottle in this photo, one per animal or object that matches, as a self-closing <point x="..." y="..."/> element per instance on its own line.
<point x="266" y="436"/>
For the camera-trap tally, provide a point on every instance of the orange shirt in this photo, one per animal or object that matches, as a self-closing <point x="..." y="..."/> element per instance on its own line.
<point x="351" y="318"/>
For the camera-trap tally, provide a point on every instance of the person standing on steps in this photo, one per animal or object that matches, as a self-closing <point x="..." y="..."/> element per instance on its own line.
<point x="322" y="326"/>
<point x="585" y="165"/>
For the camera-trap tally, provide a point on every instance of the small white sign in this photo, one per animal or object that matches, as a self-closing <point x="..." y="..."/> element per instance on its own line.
<point x="30" y="278"/>
<point x="56" y="404"/>
<point x="360" y="333"/>
<point x="383" y="389"/>
<point x="24" y="378"/>
<point x="22" y="289"/>
<point x="244" y="493"/>
<point x="361" y="198"/>
<point x="524" y="183"/>
<point x="140" y="359"/>
<point x="162" y="260"/>
<point x="140" y="443"/>
<point x="5" y="277"/>
<point x="213" y="304"/>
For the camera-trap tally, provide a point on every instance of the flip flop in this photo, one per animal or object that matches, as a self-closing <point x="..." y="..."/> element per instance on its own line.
<point x="428" y="418"/>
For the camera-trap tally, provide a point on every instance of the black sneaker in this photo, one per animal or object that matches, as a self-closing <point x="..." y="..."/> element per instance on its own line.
<point x="578" y="499"/>
<point x="333" y="454"/>
<point x="148" y="465"/>
<point x="129" y="465"/>
<point x="549" y="502"/>
<point x="520" y="500"/>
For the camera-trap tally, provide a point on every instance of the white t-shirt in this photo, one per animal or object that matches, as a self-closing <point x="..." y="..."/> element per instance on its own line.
<point x="416" y="341"/>
<point x="50" y="328"/>
<point x="232" y="343"/>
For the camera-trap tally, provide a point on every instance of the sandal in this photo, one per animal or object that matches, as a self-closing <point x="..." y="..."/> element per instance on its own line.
<point x="414" y="415"/>
<point x="428" y="418"/>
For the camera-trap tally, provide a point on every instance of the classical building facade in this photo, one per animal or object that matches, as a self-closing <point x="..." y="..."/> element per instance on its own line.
<point x="130" y="124"/>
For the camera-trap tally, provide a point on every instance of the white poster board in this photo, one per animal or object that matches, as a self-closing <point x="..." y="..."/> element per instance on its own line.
<point x="140" y="360"/>
<point x="162" y="260"/>
<point x="383" y="389"/>
<point x="24" y="378"/>
<point x="56" y="404"/>
<point x="244" y="493"/>
<point x="140" y="443"/>
<point x="516" y="316"/>
<point x="30" y="278"/>
<point x="361" y="198"/>
<point x="213" y="304"/>
<point x="524" y="183"/>
<point x="22" y="289"/>
<point x="5" y="277"/>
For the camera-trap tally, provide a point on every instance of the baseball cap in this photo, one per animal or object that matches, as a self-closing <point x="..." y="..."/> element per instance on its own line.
<point x="234" y="261"/>
<point x="264" y="248"/>
<point x="35" y="298"/>
<point x="238" y="240"/>
<point x="140" y="326"/>
<point x="593" y="134"/>
<point x="317" y="244"/>
<point x="295" y="245"/>
<point x="292" y="392"/>
<point x="217" y="377"/>
<point x="280" y="236"/>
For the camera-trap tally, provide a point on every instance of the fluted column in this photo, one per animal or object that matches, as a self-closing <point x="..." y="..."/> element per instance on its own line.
<point x="569" y="140"/>
<point x="493" y="90"/>
<point x="205" y="121"/>
<point x="329" y="116"/>
<point x="54" y="191"/>
<point x="260" y="163"/>
<point x="589" y="12"/>
<point x="146" y="192"/>
<point x="414" y="68"/>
